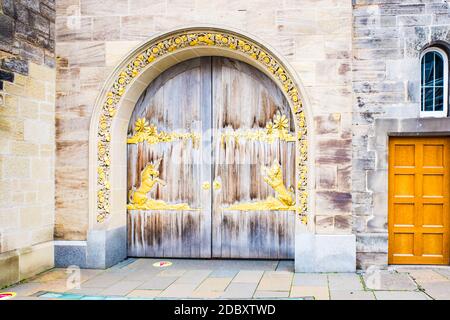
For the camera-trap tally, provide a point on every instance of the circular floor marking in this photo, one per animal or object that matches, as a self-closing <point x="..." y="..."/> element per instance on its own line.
<point x="162" y="264"/>
<point x="7" y="295"/>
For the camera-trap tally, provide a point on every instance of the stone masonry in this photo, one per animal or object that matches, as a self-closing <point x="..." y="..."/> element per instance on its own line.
<point x="27" y="138"/>
<point x="357" y="60"/>
<point x="92" y="37"/>
<point x="388" y="37"/>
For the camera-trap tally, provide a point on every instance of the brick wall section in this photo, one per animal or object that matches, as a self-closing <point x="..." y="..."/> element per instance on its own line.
<point x="27" y="143"/>
<point x="92" y="36"/>
<point x="388" y="36"/>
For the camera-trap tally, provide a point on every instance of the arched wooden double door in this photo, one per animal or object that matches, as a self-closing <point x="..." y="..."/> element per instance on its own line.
<point x="211" y="165"/>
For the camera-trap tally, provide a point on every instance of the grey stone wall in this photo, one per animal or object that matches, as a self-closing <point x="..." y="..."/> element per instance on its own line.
<point x="27" y="31"/>
<point x="388" y="37"/>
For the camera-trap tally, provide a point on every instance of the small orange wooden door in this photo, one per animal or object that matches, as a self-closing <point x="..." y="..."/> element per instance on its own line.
<point x="419" y="200"/>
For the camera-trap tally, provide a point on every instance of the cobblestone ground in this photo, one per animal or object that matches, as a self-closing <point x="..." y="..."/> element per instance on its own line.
<point x="234" y="279"/>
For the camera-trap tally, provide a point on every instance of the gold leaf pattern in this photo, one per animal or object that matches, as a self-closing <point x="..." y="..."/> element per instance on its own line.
<point x="145" y="132"/>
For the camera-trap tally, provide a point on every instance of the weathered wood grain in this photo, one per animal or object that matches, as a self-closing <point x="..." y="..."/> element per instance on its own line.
<point x="210" y="95"/>
<point x="175" y="102"/>
<point x="244" y="98"/>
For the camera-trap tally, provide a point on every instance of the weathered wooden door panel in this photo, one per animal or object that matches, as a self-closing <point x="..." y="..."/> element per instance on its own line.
<point x="419" y="200"/>
<point x="245" y="102"/>
<point x="177" y="105"/>
<point x="222" y="121"/>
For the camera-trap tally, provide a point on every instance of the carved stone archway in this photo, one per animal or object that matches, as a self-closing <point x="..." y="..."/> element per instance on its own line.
<point x="116" y="101"/>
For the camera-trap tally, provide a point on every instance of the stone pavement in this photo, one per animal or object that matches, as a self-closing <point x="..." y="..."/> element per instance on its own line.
<point x="234" y="279"/>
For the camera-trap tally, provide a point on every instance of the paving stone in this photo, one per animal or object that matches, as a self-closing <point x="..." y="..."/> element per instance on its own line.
<point x="310" y="279"/>
<point x="86" y="291"/>
<point x="139" y="264"/>
<point x="214" y="284"/>
<point x="345" y="281"/>
<point x="443" y="271"/>
<point x="103" y="280"/>
<point x="138" y="279"/>
<point x="93" y="298"/>
<point x="255" y="265"/>
<point x="179" y="290"/>
<point x="54" y="274"/>
<point x="194" y="264"/>
<point x="247" y="276"/>
<point x="400" y="295"/>
<point x="193" y="277"/>
<point x="190" y="264"/>
<point x="223" y="273"/>
<point x="50" y="295"/>
<point x="143" y="275"/>
<point x="271" y="294"/>
<point x="121" y="288"/>
<point x="206" y="294"/>
<point x="276" y="281"/>
<point x="439" y="290"/>
<point x="158" y="283"/>
<point x="26" y="289"/>
<point x="55" y="286"/>
<point x="239" y="290"/>
<point x="351" y="295"/>
<point x="423" y="276"/>
<point x="286" y="265"/>
<point x="171" y="273"/>
<point x="87" y="274"/>
<point x="318" y="292"/>
<point x="385" y="280"/>
<point x="27" y="298"/>
<point x="71" y="296"/>
<point x="144" y="293"/>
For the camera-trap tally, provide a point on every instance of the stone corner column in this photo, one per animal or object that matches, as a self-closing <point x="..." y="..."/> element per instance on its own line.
<point x="325" y="253"/>
<point x="106" y="248"/>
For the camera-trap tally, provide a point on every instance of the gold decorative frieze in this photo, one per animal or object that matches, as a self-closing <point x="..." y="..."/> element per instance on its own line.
<point x="138" y="199"/>
<point x="283" y="200"/>
<point x="277" y="129"/>
<point x="145" y="132"/>
<point x="165" y="45"/>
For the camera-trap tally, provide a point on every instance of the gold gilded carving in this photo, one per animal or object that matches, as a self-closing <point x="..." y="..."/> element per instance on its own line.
<point x="206" y="185"/>
<point x="176" y="41"/>
<point x="275" y="129"/>
<point x="284" y="199"/>
<point x="145" y="132"/>
<point x="217" y="185"/>
<point x="138" y="198"/>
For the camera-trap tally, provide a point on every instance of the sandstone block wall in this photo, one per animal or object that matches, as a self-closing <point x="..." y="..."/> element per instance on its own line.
<point x="315" y="36"/>
<point x="388" y="37"/>
<point x="27" y="138"/>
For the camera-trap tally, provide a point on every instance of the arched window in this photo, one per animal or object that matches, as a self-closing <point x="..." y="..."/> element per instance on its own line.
<point x="434" y="83"/>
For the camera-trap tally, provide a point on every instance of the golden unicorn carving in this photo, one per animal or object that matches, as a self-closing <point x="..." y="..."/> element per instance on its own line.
<point x="149" y="178"/>
<point x="284" y="199"/>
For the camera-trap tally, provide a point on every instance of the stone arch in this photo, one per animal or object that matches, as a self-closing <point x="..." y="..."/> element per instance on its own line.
<point x="116" y="101"/>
